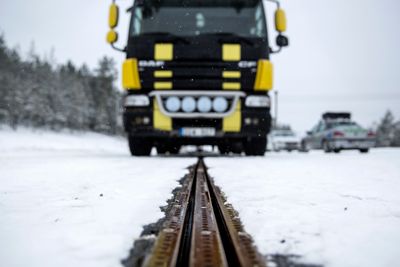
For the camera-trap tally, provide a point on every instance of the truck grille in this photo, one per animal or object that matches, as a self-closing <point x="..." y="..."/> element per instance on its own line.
<point x="198" y="75"/>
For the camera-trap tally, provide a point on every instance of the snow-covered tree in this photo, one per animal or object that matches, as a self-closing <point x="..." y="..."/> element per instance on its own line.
<point x="396" y="135"/>
<point x="36" y="93"/>
<point x="386" y="130"/>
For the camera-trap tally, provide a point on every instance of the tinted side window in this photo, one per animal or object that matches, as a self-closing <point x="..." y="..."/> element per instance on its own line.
<point x="321" y="126"/>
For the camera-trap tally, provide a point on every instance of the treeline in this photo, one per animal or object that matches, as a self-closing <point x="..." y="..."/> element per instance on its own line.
<point x="36" y="93"/>
<point x="388" y="131"/>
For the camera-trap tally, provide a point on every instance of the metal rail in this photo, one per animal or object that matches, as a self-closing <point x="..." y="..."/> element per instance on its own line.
<point x="201" y="230"/>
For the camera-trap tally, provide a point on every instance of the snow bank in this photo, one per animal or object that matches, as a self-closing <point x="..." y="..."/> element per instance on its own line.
<point x="79" y="199"/>
<point x="336" y="210"/>
<point x="29" y="140"/>
<point x="76" y="199"/>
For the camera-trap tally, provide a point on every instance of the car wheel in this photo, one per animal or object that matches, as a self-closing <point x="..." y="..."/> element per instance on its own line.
<point x="326" y="147"/>
<point x="364" y="150"/>
<point x="336" y="150"/>
<point x="305" y="147"/>
<point x="275" y="149"/>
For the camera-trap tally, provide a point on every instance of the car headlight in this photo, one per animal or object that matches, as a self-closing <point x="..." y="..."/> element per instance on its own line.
<point x="136" y="101"/>
<point x="258" y="101"/>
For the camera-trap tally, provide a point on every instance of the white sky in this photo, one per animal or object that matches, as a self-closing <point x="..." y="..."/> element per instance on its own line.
<point x="343" y="53"/>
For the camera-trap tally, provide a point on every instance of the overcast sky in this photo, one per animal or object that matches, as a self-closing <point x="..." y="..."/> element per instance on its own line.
<point x="344" y="54"/>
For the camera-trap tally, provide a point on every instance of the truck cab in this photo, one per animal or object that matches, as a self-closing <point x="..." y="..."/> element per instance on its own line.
<point x="198" y="73"/>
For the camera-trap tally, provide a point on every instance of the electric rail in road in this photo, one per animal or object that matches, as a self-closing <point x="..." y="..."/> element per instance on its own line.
<point x="200" y="230"/>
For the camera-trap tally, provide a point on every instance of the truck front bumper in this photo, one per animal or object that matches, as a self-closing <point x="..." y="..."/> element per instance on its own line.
<point x="140" y="122"/>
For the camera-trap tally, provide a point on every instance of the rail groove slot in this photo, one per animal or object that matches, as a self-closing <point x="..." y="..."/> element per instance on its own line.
<point x="201" y="230"/>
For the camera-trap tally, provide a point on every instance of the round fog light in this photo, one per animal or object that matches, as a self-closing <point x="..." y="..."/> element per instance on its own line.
<point x="188" y="104"/>
<point x="204" y="104"/>
<point x="173" y="104"/>
<point x="220" y="104"/>
<point x="146" y="120"/>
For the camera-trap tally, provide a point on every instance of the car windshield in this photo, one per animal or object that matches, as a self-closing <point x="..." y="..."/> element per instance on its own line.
<point x="286" y="133"/>
<point x="192" y="18"/>
<point x="334" y="124"/>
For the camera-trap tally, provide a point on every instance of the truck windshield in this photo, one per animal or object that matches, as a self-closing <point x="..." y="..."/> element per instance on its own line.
<point x="245" y="18"/>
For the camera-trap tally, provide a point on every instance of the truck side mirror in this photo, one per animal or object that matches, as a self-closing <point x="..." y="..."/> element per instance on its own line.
<point x="113" y="18"/>
<point x="280" y="20"/>
<point x="280" y="26"/>
<point x="282" y="41"/>
<point x="113" y="15"/>
<point x="112" y="37"/>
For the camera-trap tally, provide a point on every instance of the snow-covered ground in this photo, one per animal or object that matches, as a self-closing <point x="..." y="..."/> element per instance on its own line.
<point x="76" y="199"/>
<point x="80" y="200"/>
<point x="336" y="210"/>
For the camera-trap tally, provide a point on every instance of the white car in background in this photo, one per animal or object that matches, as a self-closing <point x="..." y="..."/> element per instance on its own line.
<point x="283" y="139"/>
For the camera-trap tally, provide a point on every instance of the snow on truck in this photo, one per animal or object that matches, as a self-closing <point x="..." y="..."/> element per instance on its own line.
<point x="198" y="73"/>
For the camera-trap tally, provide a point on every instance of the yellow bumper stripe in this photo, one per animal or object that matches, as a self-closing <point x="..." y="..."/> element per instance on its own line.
<point x="161" y="121"/>
<point x="233" y="123"/>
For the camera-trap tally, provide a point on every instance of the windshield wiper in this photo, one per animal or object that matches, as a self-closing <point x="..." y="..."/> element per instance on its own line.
<point x="167" y="34"/>
<point x="230" y="35"/>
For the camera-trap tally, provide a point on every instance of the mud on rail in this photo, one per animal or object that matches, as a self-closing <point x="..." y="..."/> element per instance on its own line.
<point x="200" y="230"/>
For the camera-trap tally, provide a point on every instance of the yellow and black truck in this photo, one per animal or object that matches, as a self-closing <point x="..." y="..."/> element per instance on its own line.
<point x="198" y="72"/>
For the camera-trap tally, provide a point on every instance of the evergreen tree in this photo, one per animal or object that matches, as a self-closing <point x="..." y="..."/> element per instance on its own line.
<point x="36" y="93"/>
<point x="385" y="130"/>
<point x="396" y="135"/>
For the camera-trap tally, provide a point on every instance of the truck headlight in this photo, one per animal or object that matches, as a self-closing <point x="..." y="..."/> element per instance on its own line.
<point x="254" y="101"/>
<point x="173" y="104"/>
<point x="136" y="101"/>
<point x="204" y="104"/>
<point x="188" y="104"/>
<point x="220" y="104"/>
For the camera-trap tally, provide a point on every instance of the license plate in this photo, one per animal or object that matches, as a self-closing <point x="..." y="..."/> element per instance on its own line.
<point x="361" y="144"/>
<point x="197" y="132"/>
